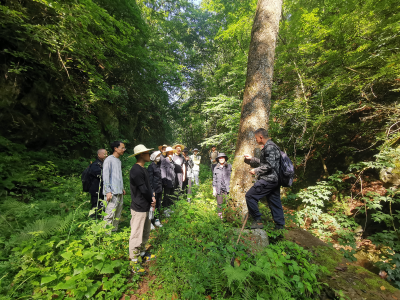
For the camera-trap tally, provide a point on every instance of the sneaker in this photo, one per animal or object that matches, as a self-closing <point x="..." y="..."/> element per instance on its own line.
<point x="157" y="223"/>
<point x="257" y="224"/>
<point x="152" y="226"/>
<point x="137" y="268"/>
<point x="147" y="256"/>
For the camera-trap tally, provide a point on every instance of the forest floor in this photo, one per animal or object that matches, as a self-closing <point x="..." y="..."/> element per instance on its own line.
<point x="346" y="280"/>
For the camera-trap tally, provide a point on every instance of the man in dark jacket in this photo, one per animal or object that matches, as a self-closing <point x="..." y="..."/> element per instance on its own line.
<point x="266" y="169"/>
<point x="154" y="170"/>
<point x="187" y="182"/>
<point x="142" y="199"/>
<point x="221" y="180"/>
<point x="96" y="187"/>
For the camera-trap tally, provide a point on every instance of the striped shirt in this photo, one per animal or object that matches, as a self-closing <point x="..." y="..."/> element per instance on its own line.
<point x="112" y="176"/>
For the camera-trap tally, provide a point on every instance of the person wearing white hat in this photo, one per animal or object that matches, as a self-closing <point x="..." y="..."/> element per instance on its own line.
<point x="142" y="199"/>
<point x="168" y="177"/>
<point x="154" y="170"/>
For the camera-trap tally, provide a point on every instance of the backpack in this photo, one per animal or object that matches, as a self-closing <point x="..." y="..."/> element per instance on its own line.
<point x="286" y="170"/>
<point x="86" y="179"/>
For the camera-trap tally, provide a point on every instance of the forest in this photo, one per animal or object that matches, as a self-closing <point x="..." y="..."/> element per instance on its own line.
<point x="76" y="75"/>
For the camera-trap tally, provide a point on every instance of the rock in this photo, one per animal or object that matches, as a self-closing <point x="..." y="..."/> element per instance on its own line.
<point x="258" y="238"/>
<point x="391" y="176"/>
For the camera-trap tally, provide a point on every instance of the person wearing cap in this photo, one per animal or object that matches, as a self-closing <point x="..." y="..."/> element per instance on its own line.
<point x="187" y="183"/>
<point x="266" y="169"/>
<point x="196" y="165"/>
<point x="221" y="180"/>
<point x="168" y="177"/>
<point x="213" y="157"/>
<point x="113" y="184"/>
<point x="142" y="197"/>
<point x="180" y="167"/>
<point x="154" y="170"/>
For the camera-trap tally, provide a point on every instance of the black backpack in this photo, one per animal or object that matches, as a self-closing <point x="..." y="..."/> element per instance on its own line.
<point x="86" y="179"/>
<point x="286" y="170"/>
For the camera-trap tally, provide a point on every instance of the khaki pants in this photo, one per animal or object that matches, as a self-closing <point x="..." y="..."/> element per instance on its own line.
<point x="140" y="232"/>
<point x="114" y="210"/>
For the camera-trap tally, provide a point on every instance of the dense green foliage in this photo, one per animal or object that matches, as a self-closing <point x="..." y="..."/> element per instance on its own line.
<point x="76" y="75"/>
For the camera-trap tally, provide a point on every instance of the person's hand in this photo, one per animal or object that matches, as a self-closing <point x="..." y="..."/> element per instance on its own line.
<point x="154" y="202"/>
<point x="252" y="171"/>
<point x="214" y="191"/>
<point x="109" y="197"/>
<point x="247" y="156"/>
<point x="124" y="192"/>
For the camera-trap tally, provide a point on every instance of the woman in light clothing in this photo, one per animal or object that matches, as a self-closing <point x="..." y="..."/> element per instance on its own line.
<point x="196" y="165"/>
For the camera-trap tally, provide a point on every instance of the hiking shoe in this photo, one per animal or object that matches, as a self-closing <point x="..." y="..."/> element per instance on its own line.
<point x="152" y="226"/>
<point x="137" y="268"/>
<point x="147" y="256"/>
<point x="157" y="223"/>
<point x="257" y="224"/>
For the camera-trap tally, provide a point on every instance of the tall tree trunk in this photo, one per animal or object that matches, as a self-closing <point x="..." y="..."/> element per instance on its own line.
<point x="257" y="94"/>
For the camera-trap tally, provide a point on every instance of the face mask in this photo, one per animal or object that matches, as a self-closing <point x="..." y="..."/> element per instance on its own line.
<point x="158" y="159"/>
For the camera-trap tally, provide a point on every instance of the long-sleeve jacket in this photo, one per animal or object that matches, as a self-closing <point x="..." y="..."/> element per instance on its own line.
<point x="189" y="167"/>
<point x="96" y="170"/>
<point x="167" y="172"/>
<point x="112" y="176"/>
<point x="196" y="161"/>
<point x="267" y="166"/>
<point x="154" y="171"/>
<point x="222" y="174"/>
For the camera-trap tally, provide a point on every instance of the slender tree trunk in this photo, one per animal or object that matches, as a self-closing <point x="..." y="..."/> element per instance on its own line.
<point x="257" y="94"/>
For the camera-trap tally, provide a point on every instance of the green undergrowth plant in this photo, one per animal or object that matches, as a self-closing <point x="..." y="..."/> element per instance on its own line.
<point x="195" y="247"/>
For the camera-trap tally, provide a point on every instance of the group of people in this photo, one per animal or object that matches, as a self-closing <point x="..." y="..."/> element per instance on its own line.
<point x="170" y="175"/>
<point x="265" y="169"/>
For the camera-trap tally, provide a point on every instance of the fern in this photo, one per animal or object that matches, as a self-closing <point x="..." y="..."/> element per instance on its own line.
<point x="43" y="228"/>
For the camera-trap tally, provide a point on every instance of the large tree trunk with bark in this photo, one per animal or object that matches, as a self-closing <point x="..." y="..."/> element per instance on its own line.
<point x="257" y="94"/>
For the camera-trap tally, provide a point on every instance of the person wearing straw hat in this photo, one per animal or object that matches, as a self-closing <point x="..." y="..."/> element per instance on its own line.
<point x="180" y="168"/>
<point x="142" y="196"/>
<point x="196" y="165"/>
<point x="162" y="149"/>
<point x="113" y="187"/>
<point x="221" y="180"/>
<point x="168" y="177"/>
<point x="154" y="170"/>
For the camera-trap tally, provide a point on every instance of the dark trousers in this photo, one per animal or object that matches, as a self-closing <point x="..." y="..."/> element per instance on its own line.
<point x="271" y="190"/>
<point x="96" y="203"/>
<point x="221" y="198"/>
<point x="187" y="186"/>
<point x="168" y="198"/>
<point x="158" y="206"/>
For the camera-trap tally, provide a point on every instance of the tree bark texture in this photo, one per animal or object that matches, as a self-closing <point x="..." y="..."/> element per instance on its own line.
<point x="257" y="95"/>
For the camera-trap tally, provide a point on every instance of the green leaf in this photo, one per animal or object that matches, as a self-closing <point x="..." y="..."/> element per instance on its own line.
<point x="67" y="255"/>
<point x="48" y="279"/>
<point x="92" y="289"/>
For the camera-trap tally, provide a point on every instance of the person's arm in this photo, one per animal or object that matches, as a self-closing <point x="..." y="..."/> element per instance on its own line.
<point x="150" y="170"/>
<point x="106" y="177"/>
<point x="138" y="180"/>
<point x="196" y="161"/>
<point x="271" y="153"/>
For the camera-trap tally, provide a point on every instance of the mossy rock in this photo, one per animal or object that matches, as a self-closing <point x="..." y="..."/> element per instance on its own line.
<point x="345" y="279"/>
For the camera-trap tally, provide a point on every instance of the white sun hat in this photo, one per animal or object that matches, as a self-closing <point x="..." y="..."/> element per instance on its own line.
<point x="170" y="149"/>
<point x="154" y="155"/>
<point x="140" y="149"/>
